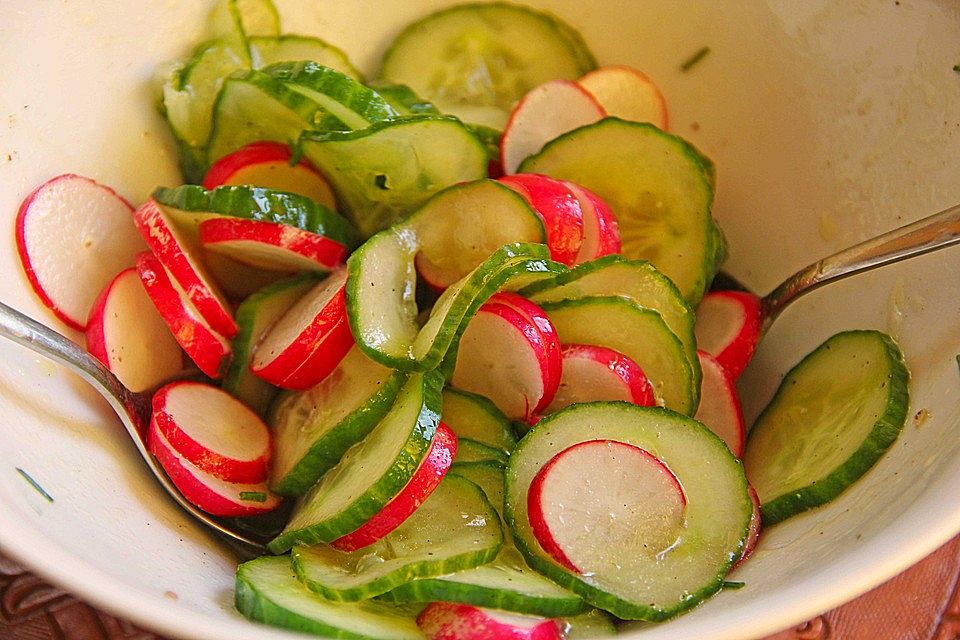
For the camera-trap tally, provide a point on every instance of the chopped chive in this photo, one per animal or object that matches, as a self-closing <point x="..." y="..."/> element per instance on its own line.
<point x="956" y="68"/>
<point x="35" y="484"/>
<point x="253" y="496"/>
<point x="694" y="59"/>
<point x="958" y="361"/>
<point x="733" y="585"/>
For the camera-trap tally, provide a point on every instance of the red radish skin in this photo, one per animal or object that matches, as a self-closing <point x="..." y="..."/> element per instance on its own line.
<point x="309" y="340"/>
<point x="601" y="233"/>
<point x="504" y="356"/>
<point x="126" y="333"/>
<point x="208" y="349"/>
<point x="627" y="93"/>
<point x="270" y="245"/>
<point x="213" y="430"/>
<point x="720" y="408"/>
<point x="455" y="621"/>
<point x="592" y="373"/>
<point x="559" y="208"/>
<point x="545" y="112"/>
<point x="73" y="236"/>
<point x="630" y="503"/>
<point x="209" y="493"/>
<point x="753" y="533"/>
<point x="270" y="165"/>
<point x="181" y="257"/>
<point x="728" y="328"/>
<point x="424" y="480"/>
<point x="553" y="370"/>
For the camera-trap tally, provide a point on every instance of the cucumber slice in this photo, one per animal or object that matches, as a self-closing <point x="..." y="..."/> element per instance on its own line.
<point x="463" y="225"/>
<point x="372" y="472"/>
<point x="637" y="332"/>
<point x="631" y="581"/>
<point x="403" y="99"/>
<point x="656" y="185"/>
<point x="268" y="591"/>
<point x="507" y="584"/>
<point x="637" y="280"/>
<point x="253" y="106"/>
<point x="833" y="416"/>
<point x="454" y="529"/>
<point x="314" y="429"/>
<point x="254" y="316"/>
<point x="476" y="60"/>
<point x="593" y="624"/>
<point x="473" y="416"/>
<point x="240" y="19"/>
<point x="265" y="51"/>
<point x="190" y="203"/>
<point x="472" y="451"/>
<point x="486" y="474"/>
<point x="387" y="170"/>
<point x="347" y="99"/>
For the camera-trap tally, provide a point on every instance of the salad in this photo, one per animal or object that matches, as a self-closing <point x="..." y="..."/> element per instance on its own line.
<point x="427" y="309"/>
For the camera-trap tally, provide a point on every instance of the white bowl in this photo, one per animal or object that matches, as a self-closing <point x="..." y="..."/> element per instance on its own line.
<point x="829" y="122"/>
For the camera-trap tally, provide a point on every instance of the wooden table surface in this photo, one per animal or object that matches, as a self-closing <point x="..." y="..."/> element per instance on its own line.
<point x="923" y="603"/>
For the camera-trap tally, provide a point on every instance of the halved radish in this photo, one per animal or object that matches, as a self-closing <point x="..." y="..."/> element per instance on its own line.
<point x="601" y="234"/>
<point x="504" y="355"/>
<point x="181" y="257"/>
<point x="309" y="340"/>
<point x="728" y="328"/>
<point x="213" y="430"/>
<point x="425" y="479"/>
<point x="545" y="112"/>
<point x="628" y="502"/>
<point x="73" y="236"/>
<point x="455" y="621"/>
<point x="271" y="245"/>
<point x="126" y="333"/>
<point x="626" y="93"/>
<point x="753" y="533"/>
<point x="211" y="494"/>
<point x="592" y="373"/>
<point x="270" y="165"/>
<point x="208" y="349"/>
<point x="560" y="209"/>
<point x="719" y="406"/>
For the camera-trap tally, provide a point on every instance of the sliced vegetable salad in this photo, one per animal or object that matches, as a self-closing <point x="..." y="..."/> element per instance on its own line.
<point x="457" y="322"/>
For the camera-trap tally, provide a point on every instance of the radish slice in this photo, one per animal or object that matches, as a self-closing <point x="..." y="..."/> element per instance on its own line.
<point x="425" y="479"/>
<point x="213" y="430"/>
<point x="545" y="112"/>
<point x="599" y="500"/>
<point x="601" y="234"/>
<point x="271" y="245"/>
<point x="211" y="494"/>
<point x="126" y="333"/>
<point x="728" y="328"/>
<point x="269" y="165"/>
<point x="73" y="236"/>
<point x="626" y="93"/>
<point x="504" y="356"/>
<point x="592" y="373"/>
<point x="309" y="340"/>
<point x="560" y="210"/>
<point x="720" y="408"/>
<point x="208" y="349"/>
<point x="753" y="533"/>
<point x="181" y="258"/>
<point x="455" y="621"/>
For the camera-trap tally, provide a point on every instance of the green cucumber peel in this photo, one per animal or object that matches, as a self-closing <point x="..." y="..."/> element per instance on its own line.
<point x="403" y="98"/>
<point x="473" y="416"/>
<point x="268" y="50"/>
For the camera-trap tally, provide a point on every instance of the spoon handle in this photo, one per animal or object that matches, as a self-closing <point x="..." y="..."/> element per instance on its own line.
<point x="923" y="236"/>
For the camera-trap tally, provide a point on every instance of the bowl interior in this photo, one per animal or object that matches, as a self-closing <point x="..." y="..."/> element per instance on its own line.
<point x="828" y="121"/>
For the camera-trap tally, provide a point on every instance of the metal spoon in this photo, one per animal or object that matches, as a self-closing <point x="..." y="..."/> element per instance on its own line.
<point x="917" y="238"/>
<point x="245" y="536"/>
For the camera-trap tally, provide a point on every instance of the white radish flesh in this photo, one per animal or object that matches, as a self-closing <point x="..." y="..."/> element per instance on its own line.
<point x="553" y="108"/>
<point x="126" y="333"/>
<point x="598" y="504"/>
<point x="627" y="93"/>
<point x="720" y="408"/>
<point x="213" y="430"/>
<point x="270" y="245"/>
<point x="592" y="373"/>
<point x="728" y="328"/>
<point x="73" y="236"/>
<point x="455" y="621"/>
<point x="601" y="234"/>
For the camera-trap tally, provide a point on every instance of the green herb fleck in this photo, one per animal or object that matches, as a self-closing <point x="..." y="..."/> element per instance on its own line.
<point x="694" y="59"/>
<point x="35" y="484"/>
<point x="958" y="361"/>
<point x="733" y="585"/>
<point x="956" y="68"/>
<point x="253" y="496"/>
